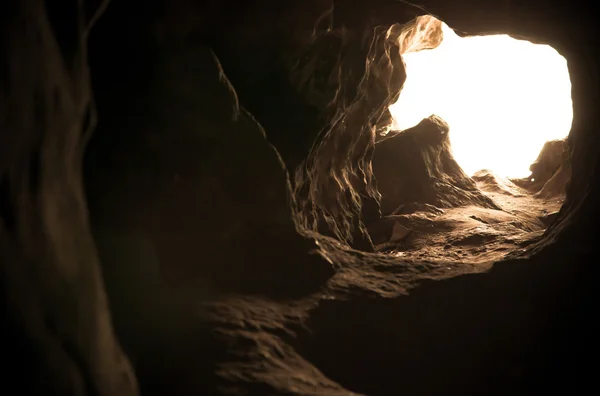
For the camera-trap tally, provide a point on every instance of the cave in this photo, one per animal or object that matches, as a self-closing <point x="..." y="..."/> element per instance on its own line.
<point x="269" y="198"/>
<point x="486" y="173"/>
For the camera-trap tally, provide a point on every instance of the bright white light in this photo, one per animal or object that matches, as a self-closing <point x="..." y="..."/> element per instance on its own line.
<point x="502" y="98"/>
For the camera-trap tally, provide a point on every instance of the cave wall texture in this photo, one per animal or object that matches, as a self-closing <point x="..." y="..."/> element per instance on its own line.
<point x="295" y="71"/>
<point x="424" y="170"/>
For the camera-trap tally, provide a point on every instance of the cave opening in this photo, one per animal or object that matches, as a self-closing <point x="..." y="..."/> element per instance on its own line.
<point x="474" y="160"/>
<point x="502" y="97"/>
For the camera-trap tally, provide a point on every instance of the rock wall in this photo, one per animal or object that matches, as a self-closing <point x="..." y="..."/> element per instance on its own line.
<point x="57" y="335"/>
<point x="417" y="166"/>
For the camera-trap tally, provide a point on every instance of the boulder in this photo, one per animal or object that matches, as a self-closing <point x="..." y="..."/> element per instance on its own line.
<point x="416" y="165"/>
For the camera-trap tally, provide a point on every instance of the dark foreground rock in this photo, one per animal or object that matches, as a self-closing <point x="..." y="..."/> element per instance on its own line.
<point x="416" y="165"/>
<point x="193" y="175"/>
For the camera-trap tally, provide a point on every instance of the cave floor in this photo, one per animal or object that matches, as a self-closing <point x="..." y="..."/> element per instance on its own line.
<point x="473" y="234"/>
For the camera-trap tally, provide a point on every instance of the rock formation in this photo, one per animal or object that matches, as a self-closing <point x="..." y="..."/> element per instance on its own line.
<point x="417" y="166"/>
<point x="550" y="172"/>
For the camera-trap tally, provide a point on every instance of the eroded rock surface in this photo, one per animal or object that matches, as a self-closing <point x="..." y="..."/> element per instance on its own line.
<point x="416" y="165"/>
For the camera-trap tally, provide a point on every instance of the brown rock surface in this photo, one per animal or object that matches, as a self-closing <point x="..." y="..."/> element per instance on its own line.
<point x="416" y="165"/>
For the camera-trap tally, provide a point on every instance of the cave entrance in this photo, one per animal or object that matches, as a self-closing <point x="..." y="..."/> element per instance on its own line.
<point x="475" y="162"/>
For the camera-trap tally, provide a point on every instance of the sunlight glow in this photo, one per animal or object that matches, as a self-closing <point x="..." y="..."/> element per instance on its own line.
<point x="503" y="98"/>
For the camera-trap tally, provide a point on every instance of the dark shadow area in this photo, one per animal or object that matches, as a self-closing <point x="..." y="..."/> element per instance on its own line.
<point x="479" y="334"/>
